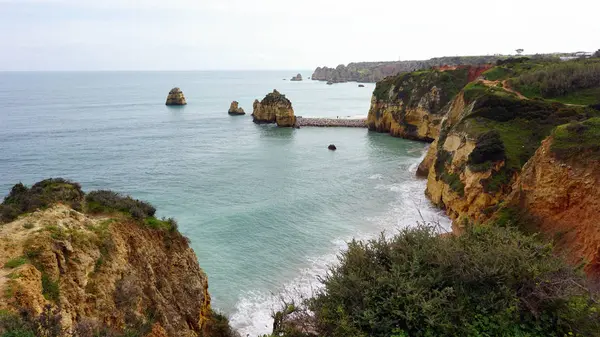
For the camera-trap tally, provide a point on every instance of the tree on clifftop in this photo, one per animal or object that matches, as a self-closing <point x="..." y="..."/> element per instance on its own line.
<point x="519" y="51"/>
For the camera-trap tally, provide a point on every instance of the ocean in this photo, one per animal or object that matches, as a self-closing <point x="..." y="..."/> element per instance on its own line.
<point x="266" y="209"/>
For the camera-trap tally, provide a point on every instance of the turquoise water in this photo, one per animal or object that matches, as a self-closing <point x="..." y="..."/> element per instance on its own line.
<point x="266" y="209"/>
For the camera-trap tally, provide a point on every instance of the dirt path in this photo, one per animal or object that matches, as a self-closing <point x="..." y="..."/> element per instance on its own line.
<point x="504" y="85"/>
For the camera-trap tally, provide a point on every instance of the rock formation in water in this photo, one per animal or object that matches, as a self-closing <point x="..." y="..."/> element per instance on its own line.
<point x="361" y="85"/>
<point x="235" y="110"/>
<point x="274" y="108"/>
<point x="176" y="97"/>
<point x="332" y="147"/>
<point x="107" y="264"/>
<point x="297" y="78"/>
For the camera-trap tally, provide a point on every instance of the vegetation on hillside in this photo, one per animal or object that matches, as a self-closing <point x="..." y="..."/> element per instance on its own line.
<point x="489" y="281"/>
<point x="43" y="194"/>
<point x="561" y="79"/>
<point x="410" y="87"/>
<point x="577" y="138"/>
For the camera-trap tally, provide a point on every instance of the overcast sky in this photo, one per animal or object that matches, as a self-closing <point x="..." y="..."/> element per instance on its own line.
<point x="280" y="34"/>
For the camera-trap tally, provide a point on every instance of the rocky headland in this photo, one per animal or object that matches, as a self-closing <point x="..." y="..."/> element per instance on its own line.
<point x="97" y="262"/>
<point x="504" y="147"/>
<point x="176" y="97"/>
<point x="235" y="109"/>
<point x="274" y="108"/>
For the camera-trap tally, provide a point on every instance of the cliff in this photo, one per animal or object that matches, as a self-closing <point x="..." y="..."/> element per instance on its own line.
<point x="559" y="191"/>
<point x="377" y="71"/>
<point x="109" y="266"/>
<point x="486" y="138"/>
<point x="412" y="105"/>
<point x="274" y="108"/>
<point x="505" y="148"/>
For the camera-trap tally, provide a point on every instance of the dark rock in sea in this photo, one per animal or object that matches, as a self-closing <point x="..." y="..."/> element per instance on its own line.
<point x="329" y="82"/>
<point x="332" y="147"/>
<point x="176" y="97"/>
<point x="361" y="85"/>
<point x="235" y="110"/>
<point x="296" y="78"/>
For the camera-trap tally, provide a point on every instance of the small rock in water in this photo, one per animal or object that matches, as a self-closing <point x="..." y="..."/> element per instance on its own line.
<point x="235" y="110"/>
<point x="361" y="85"/>
<point x="329" y="82"/>
<point x="297" y="78"/>
<point x="332" y="147"/>
<point x="176" y="97"/>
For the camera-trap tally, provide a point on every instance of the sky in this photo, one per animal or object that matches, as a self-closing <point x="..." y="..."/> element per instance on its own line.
<point x="280" y="34"/>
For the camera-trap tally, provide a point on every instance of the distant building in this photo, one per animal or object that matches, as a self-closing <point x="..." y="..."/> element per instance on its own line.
<point x="577" y="55"/>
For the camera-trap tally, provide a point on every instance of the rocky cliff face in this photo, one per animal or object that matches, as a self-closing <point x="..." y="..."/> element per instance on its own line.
<point x="561" y="196"/>
<point x="412" y="105"/>
<point x="274" y="108"/>
<point x="487" y="136"/>
<point x="105" y="270"/>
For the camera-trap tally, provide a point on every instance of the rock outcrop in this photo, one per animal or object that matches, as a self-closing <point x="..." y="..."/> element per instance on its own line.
<point x="106" y="270"/>
<point x="235" y="109"/>
<point x="377" y="71"/>
<point x="176" y="97"/>
<point x="274" y="108"/>
<point x="297" y="78"/>
<point x="332" y="147"/>
<point x="412" y="105"/>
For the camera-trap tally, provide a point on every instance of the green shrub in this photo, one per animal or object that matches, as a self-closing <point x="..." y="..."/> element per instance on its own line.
<point x="104" y="201"/>
<point x="489" y="147"/>
<point x="50" y="289"/>
<point x="41" y="195"/>
<point x="218" y="326"/>
<point x="16" y="262"/>
<point x="488" y="281"/>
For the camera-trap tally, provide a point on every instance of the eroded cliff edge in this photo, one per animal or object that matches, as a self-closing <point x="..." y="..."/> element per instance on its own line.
<point x="492" y="145"/>
<point x="101" y="262"/>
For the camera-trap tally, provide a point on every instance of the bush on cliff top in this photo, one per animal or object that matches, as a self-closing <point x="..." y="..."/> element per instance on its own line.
<point x="104" y="201"/>
<point x="489" y="281"/>
<point x="489" y="148"/>
<point x="22" y="199"/>
<point x="577" y="138"/>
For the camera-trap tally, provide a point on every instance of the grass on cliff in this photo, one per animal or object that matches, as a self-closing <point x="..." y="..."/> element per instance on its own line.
<point x="577" y="138"/>
<point x="573" y="82"/>
<point x="410" y="87"/>
<point x="15" y="262"/>
<point x="489" y="281"/>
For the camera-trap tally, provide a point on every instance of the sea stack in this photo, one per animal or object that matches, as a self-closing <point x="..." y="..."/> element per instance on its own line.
<point x="176" y="97"/>
<point x="235" y="110"/>
<point x="297" y="78"/>
<point x="274" y="108"/>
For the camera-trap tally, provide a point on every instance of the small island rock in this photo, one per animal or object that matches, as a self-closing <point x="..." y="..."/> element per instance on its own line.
<point x="176" y="97"/>
<point x="235" y="110"/>
<point x="361" y="85"/>
<point x="297" y="78"/>
<point x="332" y="147"/>
<point x="329" y="82"/>
<point x="274" y="108"/>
